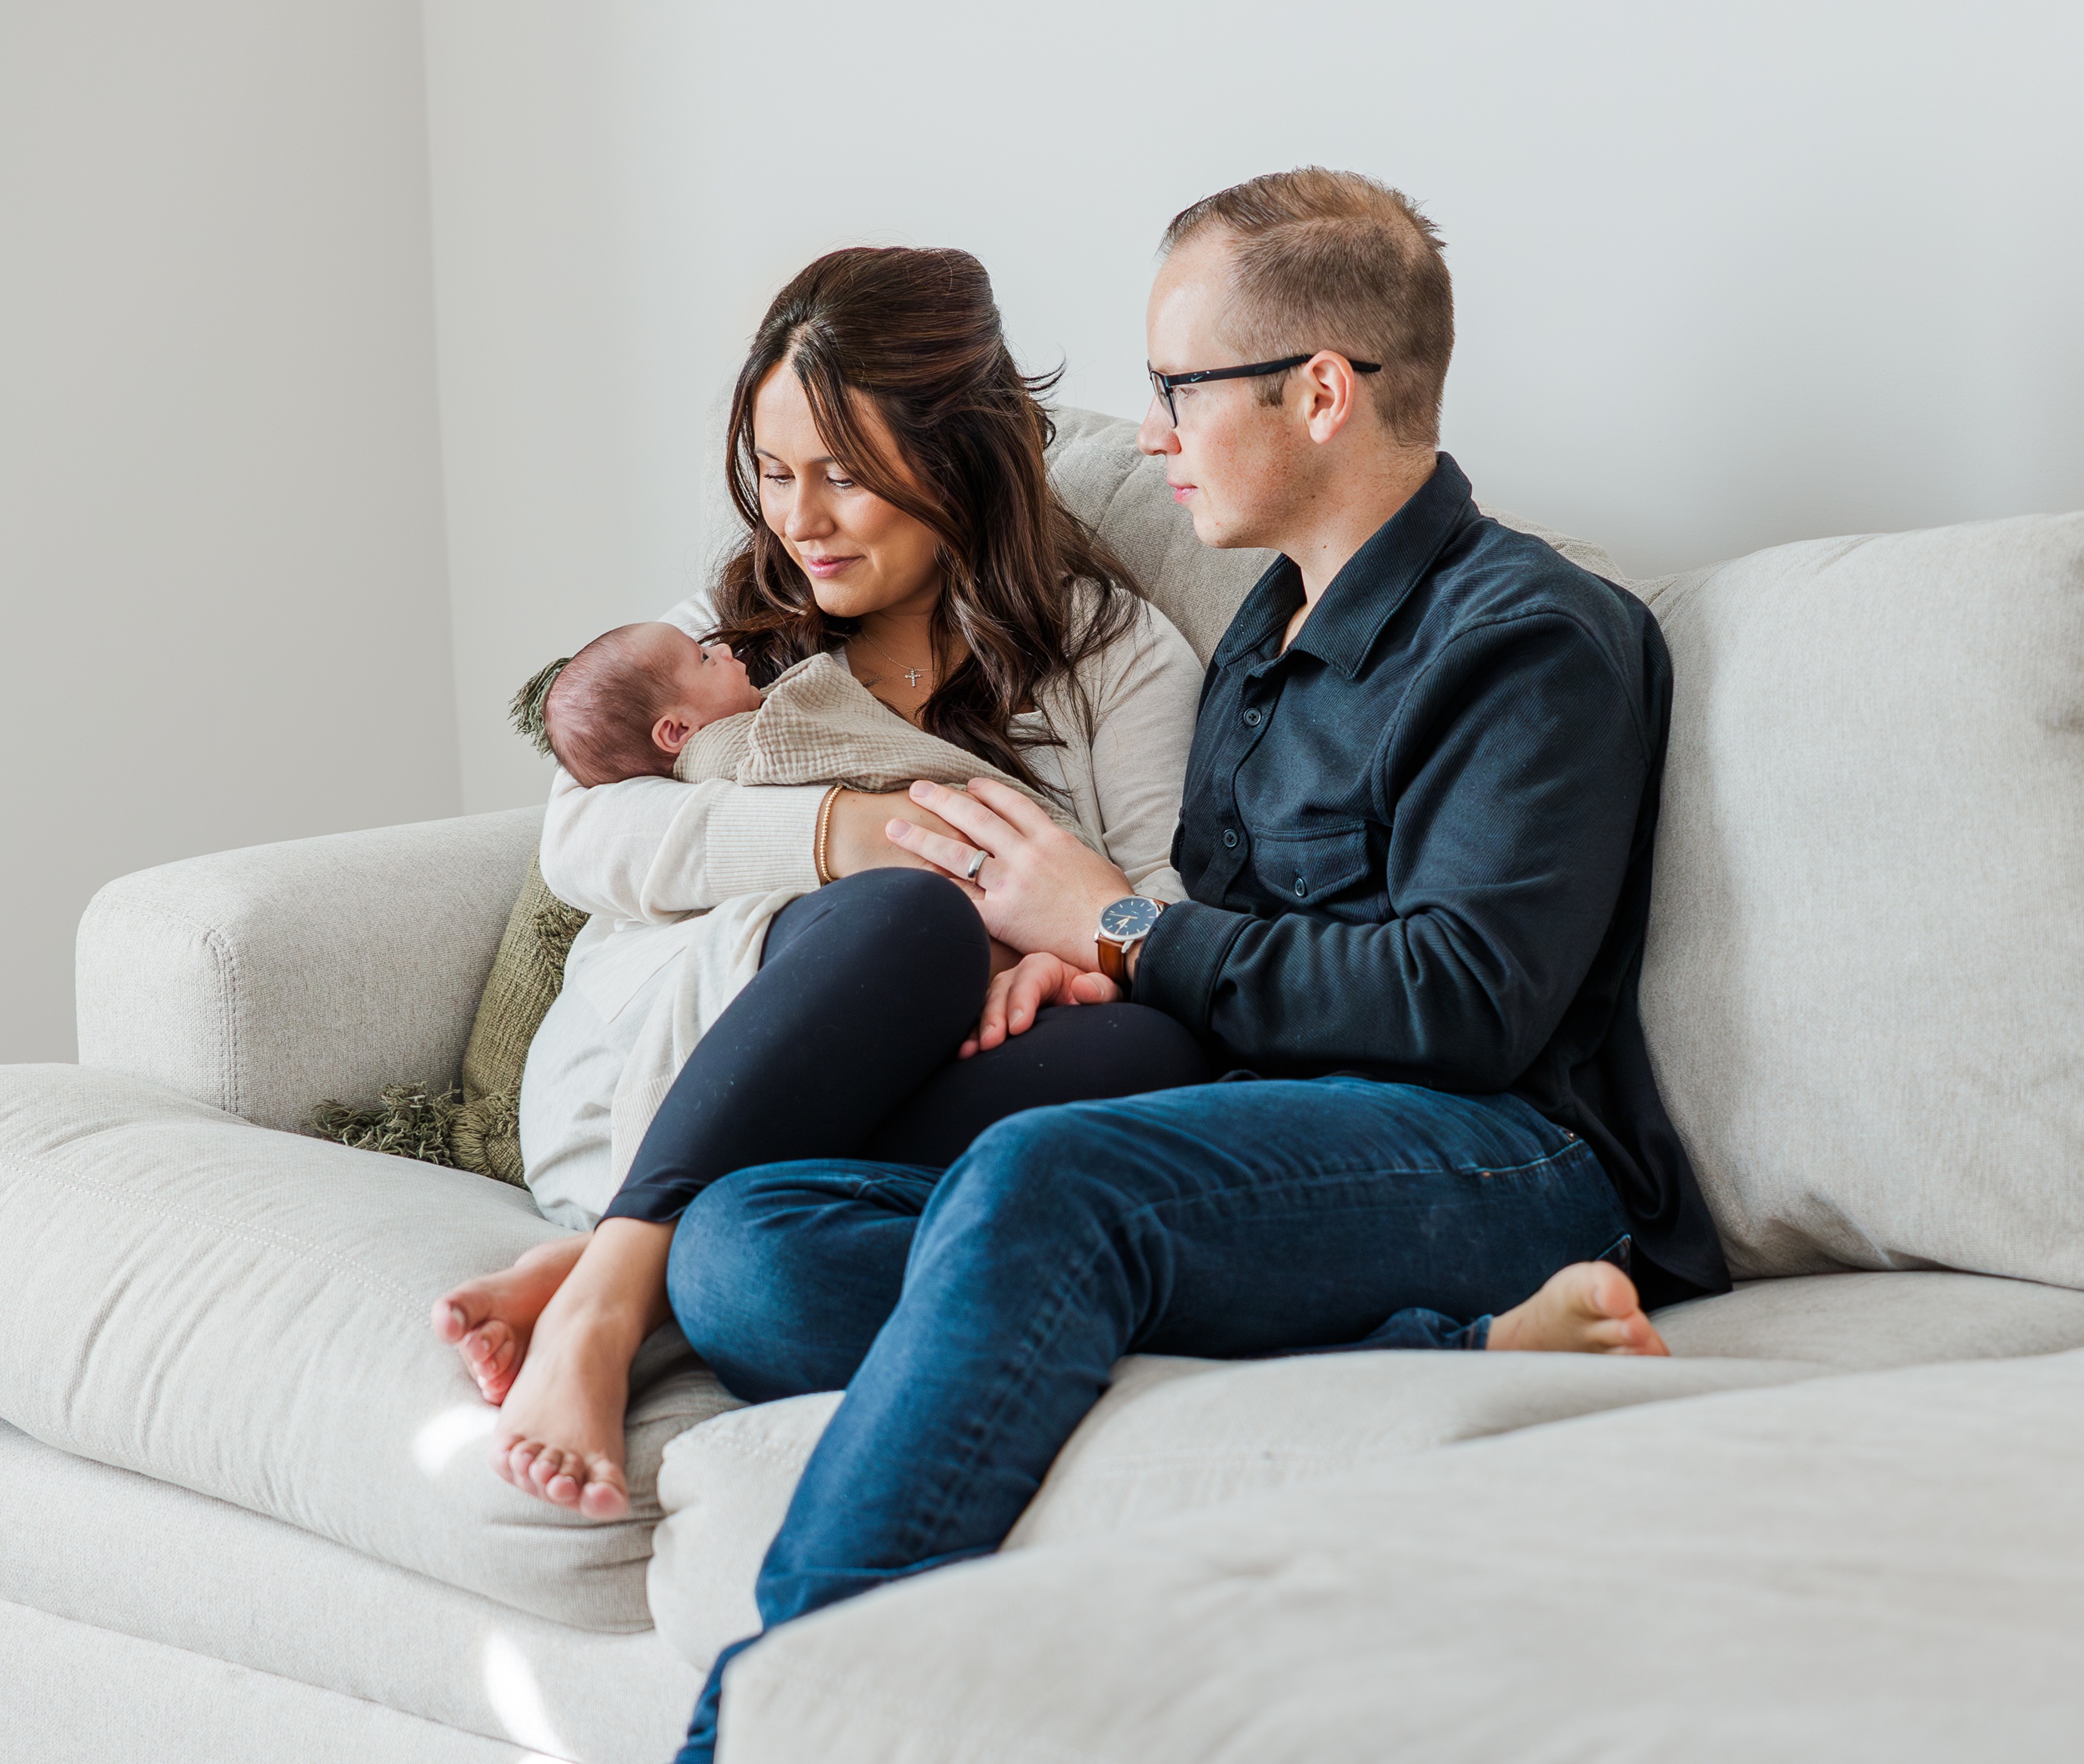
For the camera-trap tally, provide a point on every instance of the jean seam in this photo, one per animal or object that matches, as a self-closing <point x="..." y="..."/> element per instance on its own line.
<point x="982" y="1427"/>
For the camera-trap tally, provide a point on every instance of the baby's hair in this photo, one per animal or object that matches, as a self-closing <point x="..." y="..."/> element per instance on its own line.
<point x="599" y="709"/>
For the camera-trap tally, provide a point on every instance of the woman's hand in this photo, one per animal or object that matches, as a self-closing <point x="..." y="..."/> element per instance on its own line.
<point x="1018" y="995"/>
<point x="853" y="837"/>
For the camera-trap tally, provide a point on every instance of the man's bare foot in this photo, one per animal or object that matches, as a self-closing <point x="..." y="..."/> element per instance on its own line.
<point x="1588" y="1308"/>
<point x="560" y="1433"/>
<point x="489" y="1320"/>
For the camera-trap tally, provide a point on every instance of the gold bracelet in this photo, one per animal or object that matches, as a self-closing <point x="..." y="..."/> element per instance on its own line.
<point x="824" y="834"/>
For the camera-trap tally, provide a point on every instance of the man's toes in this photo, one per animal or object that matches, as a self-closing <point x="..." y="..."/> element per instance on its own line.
<point x="1607" y="1292"/>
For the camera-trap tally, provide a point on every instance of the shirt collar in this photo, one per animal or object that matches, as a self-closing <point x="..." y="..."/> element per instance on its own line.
<point x="1365" y="595"/>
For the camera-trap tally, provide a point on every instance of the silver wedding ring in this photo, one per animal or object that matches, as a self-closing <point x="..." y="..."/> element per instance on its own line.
<point x="976" y="864"/>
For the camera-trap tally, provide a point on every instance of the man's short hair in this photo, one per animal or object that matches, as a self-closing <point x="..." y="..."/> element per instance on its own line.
<point x="599" y="711"/>
<point x="1334" y="260"/>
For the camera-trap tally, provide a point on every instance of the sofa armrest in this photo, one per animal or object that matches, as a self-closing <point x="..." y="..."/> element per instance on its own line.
<point x="263" y="981"/>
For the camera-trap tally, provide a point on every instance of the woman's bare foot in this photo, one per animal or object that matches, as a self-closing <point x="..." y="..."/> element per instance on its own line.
<point x="560" y="1430"/>
<point x="560" y="1433"/>
<point x="1588" y="1308"/>
<point x="488" y="1321"/>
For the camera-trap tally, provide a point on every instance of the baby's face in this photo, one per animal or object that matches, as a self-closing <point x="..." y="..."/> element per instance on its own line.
<point x="712" y="682"/>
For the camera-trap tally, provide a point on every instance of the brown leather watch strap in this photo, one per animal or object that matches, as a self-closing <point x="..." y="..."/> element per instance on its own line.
<point x="1114" y="960"/>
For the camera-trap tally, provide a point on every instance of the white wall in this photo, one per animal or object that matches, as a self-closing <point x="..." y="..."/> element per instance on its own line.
<point x="1727" y="275"/>
<point x="223" y="615"/>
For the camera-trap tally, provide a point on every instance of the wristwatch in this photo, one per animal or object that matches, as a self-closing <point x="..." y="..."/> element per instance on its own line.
<point x="1124" y="923"/>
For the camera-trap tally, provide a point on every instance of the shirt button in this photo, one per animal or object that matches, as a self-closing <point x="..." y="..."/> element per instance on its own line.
<point x="1302" y="888"/>
<point x="1253" y="719"/>
<point x="1230" y="838"/>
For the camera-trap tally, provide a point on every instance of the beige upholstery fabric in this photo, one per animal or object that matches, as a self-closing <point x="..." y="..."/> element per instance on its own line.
<point x="1862" y="1322"/>
<point x="1174" y="1435"/>
<point x="1864" y="985"/>
<point x="245" y="1313"/>
<point x="1121" y="494"/>
<point x="263" y="981"/>
<point x="126" y="1553"/>
<point x="1169" y="1436"/>
<point x="1885" y="1567"/>
<point x="72" y="1694"/>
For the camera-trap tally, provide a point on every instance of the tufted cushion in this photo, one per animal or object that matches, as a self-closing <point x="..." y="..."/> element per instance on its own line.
<point x="1864" y="990"/>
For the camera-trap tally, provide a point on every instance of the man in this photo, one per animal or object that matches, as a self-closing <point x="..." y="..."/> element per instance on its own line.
<point x="1416" y="838"/>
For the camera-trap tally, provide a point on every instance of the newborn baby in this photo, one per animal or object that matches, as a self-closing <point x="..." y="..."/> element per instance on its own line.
<point x="626" y="704"/>
<point x="648" y="700"/>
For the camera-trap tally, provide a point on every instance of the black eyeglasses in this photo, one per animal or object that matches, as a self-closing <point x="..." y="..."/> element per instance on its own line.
<point x="1165" y="384"/>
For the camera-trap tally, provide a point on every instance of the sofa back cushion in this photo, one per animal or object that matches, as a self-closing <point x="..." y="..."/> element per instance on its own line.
<point x="1864" y="990"/>
<point x="1122" y="495"/>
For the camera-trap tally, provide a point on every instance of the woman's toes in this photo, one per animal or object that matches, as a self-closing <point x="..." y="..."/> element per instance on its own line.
<point x="450" y="1319"/>
<point x="605" y="1498"/>
<point x="562" y="1489"/>
<point x="547" y="1464"/>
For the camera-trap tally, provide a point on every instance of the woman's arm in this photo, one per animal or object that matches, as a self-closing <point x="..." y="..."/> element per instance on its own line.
<point x="655" y="849"/>
<point x="1145" y="689"/>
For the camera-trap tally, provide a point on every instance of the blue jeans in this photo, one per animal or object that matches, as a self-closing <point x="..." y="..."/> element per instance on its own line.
<point x="974" y="1318"/>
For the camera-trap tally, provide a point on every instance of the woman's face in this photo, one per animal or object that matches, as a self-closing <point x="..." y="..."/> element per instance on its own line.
<point x="862" y="554"/>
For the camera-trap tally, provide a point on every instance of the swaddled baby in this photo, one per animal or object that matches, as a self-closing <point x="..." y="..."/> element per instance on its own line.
<point x="647" y="699"/>
<point x="628" y="703"/>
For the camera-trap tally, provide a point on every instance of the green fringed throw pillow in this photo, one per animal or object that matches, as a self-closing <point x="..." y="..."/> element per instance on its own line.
<point x="479" y="1129"/>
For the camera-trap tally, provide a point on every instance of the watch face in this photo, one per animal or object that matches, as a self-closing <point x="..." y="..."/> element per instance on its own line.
<point x="1129" y="918"/>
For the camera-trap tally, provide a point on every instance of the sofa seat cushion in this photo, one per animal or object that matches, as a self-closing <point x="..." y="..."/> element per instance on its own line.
<point x="1170" y="1435"/>
<point x="1885" y="1566"/>
<point x="1867" y="1322"/>
<point x="244" y="1313"/>
<point x="130" y="1555"/>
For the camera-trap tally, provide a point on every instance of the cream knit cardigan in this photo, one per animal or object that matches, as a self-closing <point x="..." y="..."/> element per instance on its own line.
<point x="664" y="864"/>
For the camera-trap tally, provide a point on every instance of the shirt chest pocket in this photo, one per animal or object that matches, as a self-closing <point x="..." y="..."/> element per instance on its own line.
<point x="1315" y="868"/>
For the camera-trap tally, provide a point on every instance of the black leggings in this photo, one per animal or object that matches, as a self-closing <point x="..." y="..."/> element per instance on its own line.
<point x="843" y="1046"/>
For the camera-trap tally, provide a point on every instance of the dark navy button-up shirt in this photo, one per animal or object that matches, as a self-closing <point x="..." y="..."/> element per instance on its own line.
<point x="1417" y="845"/>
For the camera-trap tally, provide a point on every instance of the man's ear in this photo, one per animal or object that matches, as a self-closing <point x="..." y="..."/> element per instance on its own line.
<point x="1329" y="391"/>
<point x="670" y="734"/>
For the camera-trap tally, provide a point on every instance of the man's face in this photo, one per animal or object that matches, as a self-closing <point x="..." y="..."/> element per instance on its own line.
<point x="1238" y="465"/>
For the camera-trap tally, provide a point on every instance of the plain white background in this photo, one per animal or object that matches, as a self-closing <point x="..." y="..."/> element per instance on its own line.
<point x="1726" y="275"/>
<point x="223" y="600"/>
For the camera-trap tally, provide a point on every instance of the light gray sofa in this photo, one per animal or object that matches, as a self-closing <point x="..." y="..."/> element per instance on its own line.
<point x="250" y="1519"/>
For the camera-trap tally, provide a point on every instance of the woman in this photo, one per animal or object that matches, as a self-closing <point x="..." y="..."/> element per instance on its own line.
<point x="887" y="458"/>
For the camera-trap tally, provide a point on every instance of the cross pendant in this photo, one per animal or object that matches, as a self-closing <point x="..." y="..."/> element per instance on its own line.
<point x="913" y="676"/>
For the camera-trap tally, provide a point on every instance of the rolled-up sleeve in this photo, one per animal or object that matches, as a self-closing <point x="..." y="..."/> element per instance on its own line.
<point x="654" y="849"/>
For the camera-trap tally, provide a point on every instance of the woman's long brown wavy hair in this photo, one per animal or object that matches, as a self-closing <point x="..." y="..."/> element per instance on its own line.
<point x="1029" y="589"/>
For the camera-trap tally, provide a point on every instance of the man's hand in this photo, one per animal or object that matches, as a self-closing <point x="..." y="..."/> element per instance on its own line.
<point x="1017" y="995"/>
<point x="1042" y="889"/>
